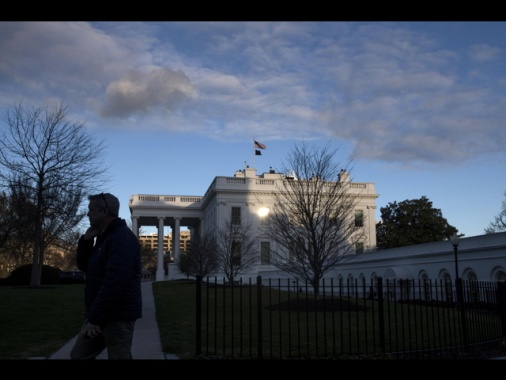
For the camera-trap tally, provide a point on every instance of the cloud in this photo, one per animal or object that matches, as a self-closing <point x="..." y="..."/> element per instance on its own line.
<point x="139" y="92"/>
<point x="484" y="53"/>
<point x="393" y="91"/>
<point x="70" y="60"/>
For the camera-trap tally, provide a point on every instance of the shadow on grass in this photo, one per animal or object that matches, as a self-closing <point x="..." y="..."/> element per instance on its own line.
<point x="323" y="305"/>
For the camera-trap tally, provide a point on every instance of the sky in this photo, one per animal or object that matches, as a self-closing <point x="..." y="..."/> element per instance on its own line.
<point x="419" y="107"/>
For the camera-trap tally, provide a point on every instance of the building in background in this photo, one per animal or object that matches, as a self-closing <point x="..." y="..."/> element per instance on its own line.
<point x="150" y="242"/>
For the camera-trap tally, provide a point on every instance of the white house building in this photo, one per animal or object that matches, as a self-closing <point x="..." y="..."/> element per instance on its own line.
<point x="246" y="195"/>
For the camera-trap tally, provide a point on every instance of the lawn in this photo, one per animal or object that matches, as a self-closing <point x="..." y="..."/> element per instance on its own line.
<point x="35" y="322"/>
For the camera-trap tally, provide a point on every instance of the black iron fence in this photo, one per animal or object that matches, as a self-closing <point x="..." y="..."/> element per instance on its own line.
<point x="286" y="319"/>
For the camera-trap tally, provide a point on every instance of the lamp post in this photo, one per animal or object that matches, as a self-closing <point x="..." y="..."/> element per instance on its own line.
<point x="455" y="239"/>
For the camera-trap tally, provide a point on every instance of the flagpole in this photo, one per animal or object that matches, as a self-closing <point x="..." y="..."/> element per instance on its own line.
<point x="254" y="154"/>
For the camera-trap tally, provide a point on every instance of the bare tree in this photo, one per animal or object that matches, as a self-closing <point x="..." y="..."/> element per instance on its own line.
<point x="149" y="259"/>
<point x="14" y="214"/>
<point x="235" y="248"/>
<point x="16" y="251"/>
<point x="202" y="257"/>
<point x="499" y="223"/>
<point x="313" y="221"/>
<point x="16" y="227"/>
<point x="17" y="231"/>
<point x="63" y="251"/>
<point x="58" y="163"/>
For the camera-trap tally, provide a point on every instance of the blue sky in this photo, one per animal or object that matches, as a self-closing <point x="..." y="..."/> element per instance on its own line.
<point x="419" y="107"/>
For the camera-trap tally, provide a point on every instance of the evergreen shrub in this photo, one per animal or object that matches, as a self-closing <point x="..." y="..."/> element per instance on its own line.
<point x="22" y="275"/>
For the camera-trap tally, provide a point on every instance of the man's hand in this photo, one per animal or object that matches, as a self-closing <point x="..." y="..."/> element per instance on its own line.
<point x="90" y="330"/>
<point x="91" y="233"/>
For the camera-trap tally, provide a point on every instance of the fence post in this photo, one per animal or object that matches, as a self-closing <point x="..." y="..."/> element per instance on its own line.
<point x="461" y="305"/>
<point x="259" y="317"/>
<point x="501" y="305"/>
<point x="198" y="315"/>
<point x="381" y="315"/>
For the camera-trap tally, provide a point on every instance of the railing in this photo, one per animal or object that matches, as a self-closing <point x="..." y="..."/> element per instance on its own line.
<point x="165" y="199"/>
<point x="284" y="319"/>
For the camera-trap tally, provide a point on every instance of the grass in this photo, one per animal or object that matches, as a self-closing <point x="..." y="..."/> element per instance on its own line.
<point x="175" y="313"/>
<point x="342" y="329"/>
<point x="35" y="322"/>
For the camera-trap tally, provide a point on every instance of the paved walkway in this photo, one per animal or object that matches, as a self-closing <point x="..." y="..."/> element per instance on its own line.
<point x="146" y="342"/>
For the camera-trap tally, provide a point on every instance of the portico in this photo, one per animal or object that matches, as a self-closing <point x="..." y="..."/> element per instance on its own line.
<point x="161" y="211"/>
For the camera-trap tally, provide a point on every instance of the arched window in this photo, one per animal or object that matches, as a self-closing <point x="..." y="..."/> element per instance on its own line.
<point x="374" y="286"/>
<point x="425" y="282"/>
<point x="350" y="291"/>
<point x="500" y="275"/>
<point x="448" y="287"/>
<point x="363" y="286"/>
<point x="472" y="293"/>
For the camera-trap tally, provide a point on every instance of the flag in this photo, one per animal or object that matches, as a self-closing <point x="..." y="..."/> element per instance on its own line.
<point x="259" y="145"/>
<point x="258" y="153"/>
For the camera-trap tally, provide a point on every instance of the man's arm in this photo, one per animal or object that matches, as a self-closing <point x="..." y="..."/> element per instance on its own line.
<point x="85" y="247"/>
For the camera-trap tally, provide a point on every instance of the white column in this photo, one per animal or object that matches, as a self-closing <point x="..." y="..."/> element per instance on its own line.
<point x="135" y="226"/>
<point x="160" y="271"/>
<point x="176" y="236"/>
<point x="195" y="232"/>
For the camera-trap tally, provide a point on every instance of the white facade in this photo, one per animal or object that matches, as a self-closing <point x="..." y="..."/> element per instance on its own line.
<point x="479" y="258"/>
<point x="245" y="191"/>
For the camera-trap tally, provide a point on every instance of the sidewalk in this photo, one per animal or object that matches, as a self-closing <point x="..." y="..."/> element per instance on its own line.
<point x="146" y="342"/>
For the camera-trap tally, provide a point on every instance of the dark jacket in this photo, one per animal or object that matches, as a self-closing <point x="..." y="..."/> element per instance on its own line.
<point x="113" y="274"/>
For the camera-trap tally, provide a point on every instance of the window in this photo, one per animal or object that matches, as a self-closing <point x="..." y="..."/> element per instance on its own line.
<point x="265" y="253"/>
<point x="447" y="283"/>
<point x="500" y="276"/>
<point x="351" y="285"/>
<point x="295" y="252"/>
<point x="263" y="214"/>
<point x="359" y="247"/>
<point x="427" y="294"/>
<point x="359" y="218"/>
<point x="473" y="291"/>
<point x="236" y="216"/>
<point x="296" y="219"/>
<point x="236" y="253"/>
